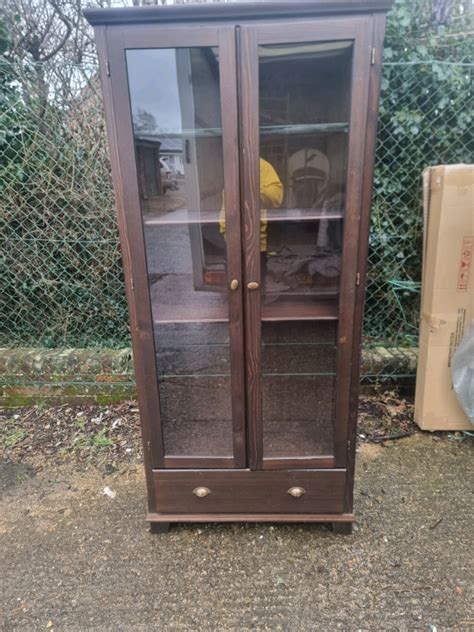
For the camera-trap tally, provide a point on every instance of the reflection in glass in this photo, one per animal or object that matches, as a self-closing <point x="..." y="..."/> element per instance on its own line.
<point x="176" y="109"/>
<point x="176" y="296"/>
<point x="304" y="104"/>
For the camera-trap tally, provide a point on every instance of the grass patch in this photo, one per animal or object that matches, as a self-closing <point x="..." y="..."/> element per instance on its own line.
<point x="13" y="437"/>
<point x="96" y="441"/>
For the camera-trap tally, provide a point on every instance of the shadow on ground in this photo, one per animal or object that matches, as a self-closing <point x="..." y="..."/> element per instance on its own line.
<point x="76" y="559"/>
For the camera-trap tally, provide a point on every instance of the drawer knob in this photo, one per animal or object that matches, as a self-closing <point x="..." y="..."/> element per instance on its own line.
<point x="253" y="285"/>
<point x="296" y="492"/>
<point x="201" y="492"/>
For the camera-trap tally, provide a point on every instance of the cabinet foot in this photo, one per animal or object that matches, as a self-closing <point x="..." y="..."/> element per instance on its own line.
<point x="159" y="527"/>
<point x="342" y="528"/>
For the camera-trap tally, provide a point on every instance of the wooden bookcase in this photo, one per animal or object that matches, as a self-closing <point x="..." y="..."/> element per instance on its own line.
<point x="242" y="142"/>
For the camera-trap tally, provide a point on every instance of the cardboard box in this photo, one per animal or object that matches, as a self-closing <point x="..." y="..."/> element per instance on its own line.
<point x="447" y="292"/>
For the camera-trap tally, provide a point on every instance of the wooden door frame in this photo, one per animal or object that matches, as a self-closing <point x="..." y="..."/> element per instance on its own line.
<point x="112" y="43"/>
<point x="378" y="31"/>
<point x="358" y="29"/>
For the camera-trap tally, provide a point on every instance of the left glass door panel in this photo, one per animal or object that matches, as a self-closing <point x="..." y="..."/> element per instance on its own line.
<point x="177" y="126"/>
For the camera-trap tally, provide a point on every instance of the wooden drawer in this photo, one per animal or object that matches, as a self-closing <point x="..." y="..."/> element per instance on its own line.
<point x="245" y="491"/>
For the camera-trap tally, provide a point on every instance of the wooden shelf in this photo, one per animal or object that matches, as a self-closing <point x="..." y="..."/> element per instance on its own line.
<point x="315" y="293"/>
<point x="185" y="216"/>
<point x="284" y="310"/>
<point x="279" y="310"/>
<point x="168" y="314"/>
<point x="300" y="310"/>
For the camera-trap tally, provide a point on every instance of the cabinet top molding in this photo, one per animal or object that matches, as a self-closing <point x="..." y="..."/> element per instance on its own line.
<point x="233" y="11"/>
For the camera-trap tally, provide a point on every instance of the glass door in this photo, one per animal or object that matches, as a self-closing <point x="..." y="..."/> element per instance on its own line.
<point x="182" y="102"/>
<point x="304" y="105"/>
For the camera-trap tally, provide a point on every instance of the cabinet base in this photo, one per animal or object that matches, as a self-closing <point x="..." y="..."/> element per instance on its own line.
<point x="342" y="528"/>
<point x="338" y="521"/>
<point x="159" y="527"/>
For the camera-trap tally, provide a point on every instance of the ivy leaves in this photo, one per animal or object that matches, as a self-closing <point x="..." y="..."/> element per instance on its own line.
<point x="426" y="118"/>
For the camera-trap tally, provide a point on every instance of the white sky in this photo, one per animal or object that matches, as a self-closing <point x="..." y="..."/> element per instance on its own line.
<point x="154" y="86"/>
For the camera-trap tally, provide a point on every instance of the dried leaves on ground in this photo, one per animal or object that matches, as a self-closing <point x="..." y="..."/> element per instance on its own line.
<point x="101" y="434"/>
<point x="109" y="435"/>
<point x="385" y="416"/>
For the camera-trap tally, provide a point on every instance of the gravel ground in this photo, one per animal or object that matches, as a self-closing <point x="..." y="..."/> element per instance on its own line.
<point x="74" y="558"/>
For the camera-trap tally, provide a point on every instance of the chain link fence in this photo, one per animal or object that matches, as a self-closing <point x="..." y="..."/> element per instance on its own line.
<point x="62" y="274"/>
<point x="426" y="118"/>
<point x="62" y="266"/>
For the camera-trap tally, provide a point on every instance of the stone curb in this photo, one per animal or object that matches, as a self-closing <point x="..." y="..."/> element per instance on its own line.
<point x="60" y="376"/>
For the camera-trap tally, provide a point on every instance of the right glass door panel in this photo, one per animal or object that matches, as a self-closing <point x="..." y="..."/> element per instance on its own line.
<point x="304" y="110"/>
<point x="298" y="378"/>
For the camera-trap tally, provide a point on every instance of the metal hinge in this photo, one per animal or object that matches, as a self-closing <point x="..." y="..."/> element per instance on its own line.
<point x="372" y="59"/>
<point x="107" y="67"/>
<point x="132" y="284"/>
<point x="358" y="278"/>
<point x="148" y="446"/>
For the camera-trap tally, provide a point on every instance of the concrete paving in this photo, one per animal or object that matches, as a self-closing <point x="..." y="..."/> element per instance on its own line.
<point x="76" y="559"/>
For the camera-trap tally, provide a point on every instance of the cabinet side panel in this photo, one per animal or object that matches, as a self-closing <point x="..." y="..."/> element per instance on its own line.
<point x="155" y="456"/>
<point x="359" y="98"/>
<point x="369" y="161"/>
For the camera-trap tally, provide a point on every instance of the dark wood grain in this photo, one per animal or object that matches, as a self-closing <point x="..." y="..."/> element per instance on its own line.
<point x="244" y="491"/>
<point x="249" y="138"/>
<point x="228" y="82"/>
<point x="300" y="310"/>
<point x="285" y="463"/>
<point x="251" y="517"/>
<point x="147" y="379"/>
<point x="193" y="462"/>
<point x="133" y="249"/>
<point x="359" y="30"/>
<point x="233" y="11"/>
<point x="323" y="29"/>
<point x="133" y="257"/>
<point x="355" y="161"/>
<point x="153" y="36"/>
<point x="368" y="173"/>
<point x="259" y="493"/>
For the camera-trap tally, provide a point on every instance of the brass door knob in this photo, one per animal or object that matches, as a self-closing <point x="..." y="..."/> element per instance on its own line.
<point x="234" y="284"/>
<point x="253" y="285"/>
<point x="201" y="492"/>
<point x="296" y="492"/>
